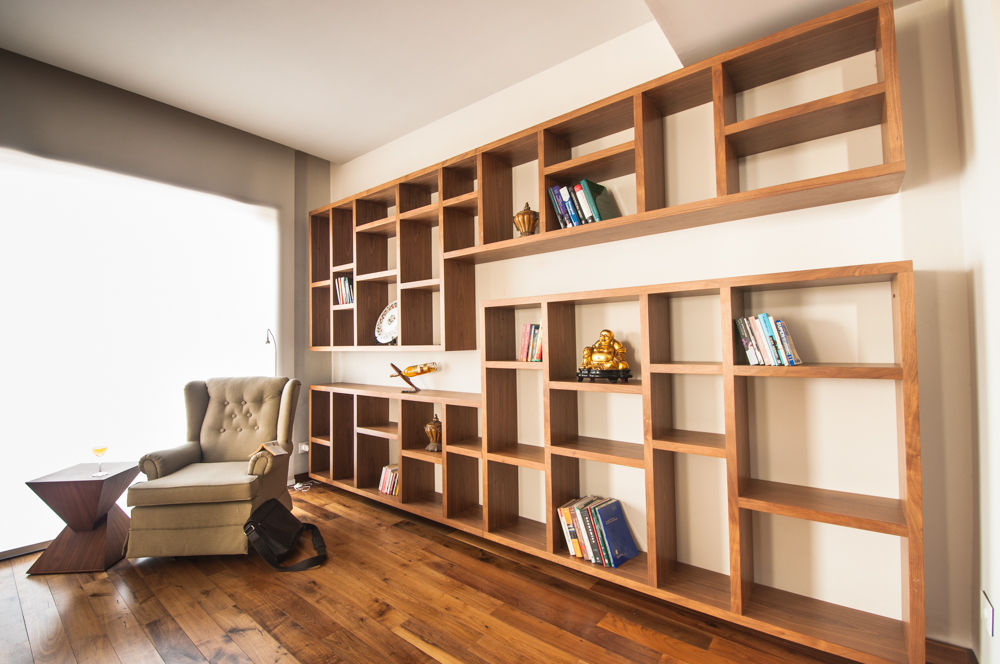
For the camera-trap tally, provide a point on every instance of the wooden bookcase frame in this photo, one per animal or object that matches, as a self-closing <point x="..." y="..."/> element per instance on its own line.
<point x="469" y="198"/>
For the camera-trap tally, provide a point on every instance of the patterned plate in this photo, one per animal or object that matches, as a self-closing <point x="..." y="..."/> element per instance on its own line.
<point x="387" y="327"/>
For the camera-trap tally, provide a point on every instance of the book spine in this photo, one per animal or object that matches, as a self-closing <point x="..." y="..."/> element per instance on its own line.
<point x="787" y="336"/>
<point x="588" y="193"/>
<point x="769" y="335"/>
<point x="595" y="556"/>
<point x="745" y="340"/>
<point x="581" y="199"/>
<point x="570" y="208"/>
<point x="532" y="340"/>
<point x="592" y="520"/>
<point x="753" y="343"/>
<point x="777" y="339"/>
<point x="783" y="338"/>
<point x="762" y="342"/>
<point x="537" y="356"/>
<point x="557" y="206"/>
<point x="581" y="533"/>
<point x="568" y="520"/>
<point x="565" y="529"/>
<point x="522" y="353"/>
<point x="602" y="539"/>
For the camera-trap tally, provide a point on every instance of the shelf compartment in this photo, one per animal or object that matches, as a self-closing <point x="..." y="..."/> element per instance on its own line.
<point x="389" y="430"/>
<point x="375" y="494"/>
<point x="523" y="533"/>
<point x="633" y="386"/>
<point x="382" y="276"/>
<point x="690" y="442"/>
<point x="848" y="632"/>
<point x="882" y="371"/>
<point x="634" y="570"/>
<point x="710" y="368"/>
<point x="600" y="449"/>
<point x="428" y="214"/>
<point x="875" y="513"/>
<point x="502" y="507"/>
<point x="515" y="365"/>
<point x="506" y="172"/>
<point x="685" y="329"/>
<point x="605" y="164"/>
<point x="837" y="114"/>
<point x="593" y="123"/>
<point x="503" y="329"/>
<point x="419" y="192"/>
<point x="700" y="585"/>
<point x="372" y="455"/>
<point x="320" y="317"/>
<point x="471" y="520"/>
<point x="527" y="456"/>
<point x="432" y="285"/>
<point x="422" y="455"/>
<point x="343" y="325"/>
<point x="458" y="178"/>
<point x="460" y="228"/>
<point x="319" y="246"/>
<point x="417" y="485"/>
<point x="463" y="491"/>
<point x="467" y="202"/>
<point x="472" y="448"/>
<point x="343" y="268"/>
<point x="383" y="227"/>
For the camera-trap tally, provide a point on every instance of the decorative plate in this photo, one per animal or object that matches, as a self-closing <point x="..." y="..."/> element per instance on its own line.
<point x="387" y="327"/>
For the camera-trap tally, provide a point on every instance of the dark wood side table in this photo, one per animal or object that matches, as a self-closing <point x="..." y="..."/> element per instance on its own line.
<point x="94" y="537"/>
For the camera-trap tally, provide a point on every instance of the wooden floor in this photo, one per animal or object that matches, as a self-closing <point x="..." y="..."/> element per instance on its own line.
<point x="395" y="589"/>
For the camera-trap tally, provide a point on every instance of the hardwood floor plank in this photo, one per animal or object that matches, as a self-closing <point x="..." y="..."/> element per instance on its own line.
<point x="126" y="634"/>
<point x="83" y="628"/>
<point x="42" y="621"/>
<point x="14" y="645"/>
<point x="519" y="621"/>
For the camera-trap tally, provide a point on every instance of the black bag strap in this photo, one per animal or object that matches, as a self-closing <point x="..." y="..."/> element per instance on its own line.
<point x="265" y="551"/>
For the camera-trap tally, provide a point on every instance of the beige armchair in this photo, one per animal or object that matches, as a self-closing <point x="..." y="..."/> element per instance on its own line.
<point x="197" y="497"/>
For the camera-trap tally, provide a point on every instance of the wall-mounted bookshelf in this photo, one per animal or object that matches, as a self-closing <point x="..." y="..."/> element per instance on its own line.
<point x="417" y="238"/>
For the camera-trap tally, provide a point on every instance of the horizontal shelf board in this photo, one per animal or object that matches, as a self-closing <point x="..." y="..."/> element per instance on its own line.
<point x="327" y="348"/>
<point x="636" y="569"/>
<point x="470" y="520"/>
<point x="811" y="192"/>
<point x="837" y="114"/>
<point x="529" y="456"/>
<point x="600" y="449"/>
<point x="468" y="202"/>
<point x="686" y="368"/>
<point x="698" y="584"/>
<point x="522" y="532"/>
<point x="349" y="484"/>
<point x="374" y="493"/>
<point x="874" y="513"/>
<point x="513" y="364"/>
<point x="422" y="455"/>
<point x="320" y="440"/>
<point x="473" y="448"/>
<point x="839" y="629"/>
<point x="428" y="214"/>
<point x="387" y="430"/>
<point x="690" y="442"/>
<point x="631" y="387"/>
<point x="428" y="504"/>
<point x="383" y="276"/>
<point x="385" y="227"/>
<point x="824" y="370"/>
<point x="342" y="307"/>
<point x="325" y="283"/>
<point x="470" y="399"/>
<point x="346" y="267"/>
<point x="604" y="164"/>
<point x="602" y="120"/>
<point x="387" y="347"/>
<point x="423" y="284"/>
<point x="320" y="477"/>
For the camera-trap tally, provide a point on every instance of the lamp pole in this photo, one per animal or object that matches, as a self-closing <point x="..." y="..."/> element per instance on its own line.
<point x="267" y="340"/>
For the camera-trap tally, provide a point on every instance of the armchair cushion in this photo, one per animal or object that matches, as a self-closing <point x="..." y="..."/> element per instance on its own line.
<point x="220" y="482"/>
<point x="163" y="462"/>
<point x="240" y="415"/>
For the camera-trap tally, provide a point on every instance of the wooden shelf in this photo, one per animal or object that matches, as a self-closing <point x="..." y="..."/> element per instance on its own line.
<point x="604" y="164"/>
<point x="514" y="364"/>
<point x="824" y="370"/>
<point x="325" y="283"/>
<point x="468" y="202"/>
<point x="382" y="276"/>
<point x="631" y="387"/>
<point x="690" y="442"/>
<point x="473" y="448"/>
<point x="428" y="214"/>
<point x="526" y="456"/>
<point x="470" y="520"/>
<point x="386" y="227"/>
<point x="524" y="533"/>
<point x="389" y="430"/>
<point x="429" y="505"/>
<point x="342" y="307"/>
<point x="433" y="285"/>
<point x="881" y="515"/>
<point x="710" y="368"/>
<point x="422" y="455"/>
<point x="470" y="399"/>
<point x="600" y="449"/>
<point x="320" y="440"/>
<point x="701" y="585"/>
<point x="635" y="570"/>
<point x="343" y="268"/>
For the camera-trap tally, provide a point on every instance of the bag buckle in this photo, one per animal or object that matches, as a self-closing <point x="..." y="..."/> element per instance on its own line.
<point x="248" y="528"/>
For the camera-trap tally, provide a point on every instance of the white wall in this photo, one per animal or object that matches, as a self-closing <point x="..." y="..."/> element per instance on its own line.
<point x="921" y="223"/>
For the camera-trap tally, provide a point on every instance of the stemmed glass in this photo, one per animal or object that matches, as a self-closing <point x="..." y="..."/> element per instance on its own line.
<point x="99" y="449"/>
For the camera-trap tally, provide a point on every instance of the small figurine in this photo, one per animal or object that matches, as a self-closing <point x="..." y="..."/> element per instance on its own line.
<point x="433" y="431"/>
<point x="525" y="221"/>
<point x="604" y="359"/>
<point x="413" y="370"/>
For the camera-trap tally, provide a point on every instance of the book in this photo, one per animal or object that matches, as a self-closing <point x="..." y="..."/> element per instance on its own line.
<point x="570" y="208"/>
<point x="588" y="526"/>
<point x="536" y="348"/>
<point x="746" y="341"/>
<point x="602" y="548"/>
<point x="564" y="512"/>
<point x="761" y="338"/>
<point x="558" y="206"/>
<point x="581" y="198"/>
<point x="602" y="201"/>
<point x="522" y="353"/>
<point x="621" y="544"/>
<point x="783" y="356"/>
<point x="581" y="529"/>
<point x="567" y="533"/>
<point x="789" y="343"/>
<point x="769" y="338"/>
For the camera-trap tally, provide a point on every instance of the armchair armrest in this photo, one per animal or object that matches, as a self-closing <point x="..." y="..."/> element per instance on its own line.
<point x="163" y="462"/>
<point x="262" y="460"/>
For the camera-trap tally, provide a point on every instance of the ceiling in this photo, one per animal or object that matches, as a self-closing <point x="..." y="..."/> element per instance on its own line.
<point x="335" y="78"/>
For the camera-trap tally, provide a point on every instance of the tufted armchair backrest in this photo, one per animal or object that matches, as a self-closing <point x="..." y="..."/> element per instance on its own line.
<point x="231" y="417"/>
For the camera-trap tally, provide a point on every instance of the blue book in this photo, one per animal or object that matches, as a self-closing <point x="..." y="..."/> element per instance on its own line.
<point x="558" y="206"/>
<point x="772" y="340"/>
<point x="570" y="208"/>
<point x="618" y="537"/>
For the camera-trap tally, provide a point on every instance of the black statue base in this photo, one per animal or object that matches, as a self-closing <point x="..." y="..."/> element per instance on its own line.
<point x="613" y="375"/>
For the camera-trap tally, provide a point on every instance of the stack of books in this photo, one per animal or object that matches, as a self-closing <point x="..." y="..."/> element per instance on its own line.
<point x="596" y="530"/>
<point x="345" y="290"/>
<point x="767" y="341"/>
<point x="583" y="203"/>
<point x="531" y="343"/>
<point x="389" y="484"/>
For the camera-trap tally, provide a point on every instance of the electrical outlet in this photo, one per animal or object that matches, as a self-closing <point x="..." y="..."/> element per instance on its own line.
<point x="303" y="448"/>
<point x="989" y="616"/>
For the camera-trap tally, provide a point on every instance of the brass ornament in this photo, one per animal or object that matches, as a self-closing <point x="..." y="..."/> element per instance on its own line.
<point x="433" y="431"/>
<point x="526" y="221"/>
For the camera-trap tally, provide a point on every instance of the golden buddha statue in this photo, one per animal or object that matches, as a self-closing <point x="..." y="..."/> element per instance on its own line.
<point x="607" y="353"/>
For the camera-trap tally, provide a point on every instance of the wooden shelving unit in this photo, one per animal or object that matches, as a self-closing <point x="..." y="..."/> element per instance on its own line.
<point x="735" y="596"/>
<point x="444" y="219"/>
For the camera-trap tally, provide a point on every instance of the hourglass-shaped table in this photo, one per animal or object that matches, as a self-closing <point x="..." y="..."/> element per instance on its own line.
<point x="96" y="529"/>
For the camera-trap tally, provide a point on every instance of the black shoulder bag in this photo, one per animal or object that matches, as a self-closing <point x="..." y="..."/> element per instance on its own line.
<point x="274" y="533"/>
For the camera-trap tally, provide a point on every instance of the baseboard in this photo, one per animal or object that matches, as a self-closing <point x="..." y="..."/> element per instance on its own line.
<point x="939" y="652"/>
<point x="24" y="550"/>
